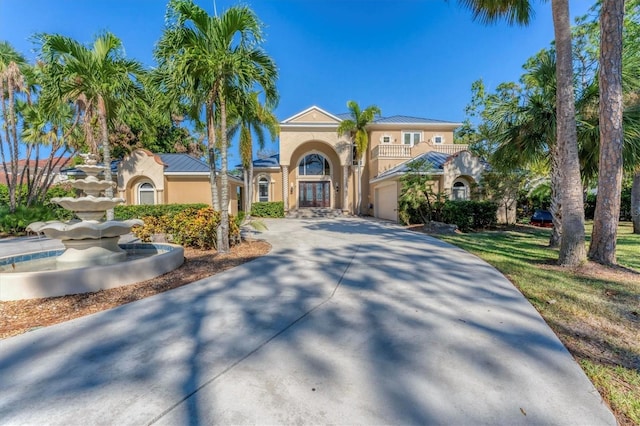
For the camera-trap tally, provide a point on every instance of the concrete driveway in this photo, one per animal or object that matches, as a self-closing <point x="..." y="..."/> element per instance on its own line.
<point x="346" y="321"/>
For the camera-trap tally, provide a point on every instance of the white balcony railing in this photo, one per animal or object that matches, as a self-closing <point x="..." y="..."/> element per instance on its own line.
<point x="449" y="148"/>
<point x="392" y="151"/>
<point x="404" y="151"/>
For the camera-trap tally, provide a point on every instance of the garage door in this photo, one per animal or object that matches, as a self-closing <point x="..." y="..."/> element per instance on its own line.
<point x="386" y="202"/>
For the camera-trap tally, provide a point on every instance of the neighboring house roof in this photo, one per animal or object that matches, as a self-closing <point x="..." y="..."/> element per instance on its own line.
<point x="269" y="162"/>
<point x="61" y="162"/>
<point x="183" y="164"/>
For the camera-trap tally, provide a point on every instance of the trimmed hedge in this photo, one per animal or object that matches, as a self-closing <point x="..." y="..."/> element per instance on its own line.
<point x="123" y="212"/>
<point x="270" y="209"/>
<point x="469" y="215"/>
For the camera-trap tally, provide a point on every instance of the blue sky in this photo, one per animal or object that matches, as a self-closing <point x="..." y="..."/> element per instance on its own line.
<point x="409" y="57"/>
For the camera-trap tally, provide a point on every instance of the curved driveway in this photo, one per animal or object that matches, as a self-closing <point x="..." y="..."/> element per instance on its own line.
<point x="346" y="321"/>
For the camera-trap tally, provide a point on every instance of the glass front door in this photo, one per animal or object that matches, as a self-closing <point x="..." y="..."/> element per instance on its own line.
<point x="314" y="194"/>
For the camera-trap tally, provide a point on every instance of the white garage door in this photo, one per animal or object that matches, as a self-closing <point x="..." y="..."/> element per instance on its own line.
<point x="386" y="206"/>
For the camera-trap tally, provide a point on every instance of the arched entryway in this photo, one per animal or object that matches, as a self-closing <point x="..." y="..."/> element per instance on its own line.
<point x="314" y="181"/>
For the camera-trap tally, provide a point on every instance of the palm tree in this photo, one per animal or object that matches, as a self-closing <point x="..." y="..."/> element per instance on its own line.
<point x="572" y="248"/>
<point x="96" y="79"/>
<point x="526" y="133"/>
<point x="12" y="82"/>
<point x="356" y="128"/>
<point x="252" y="118"/>
<point x="605" y="222"/>
<point x="209" y="59"/>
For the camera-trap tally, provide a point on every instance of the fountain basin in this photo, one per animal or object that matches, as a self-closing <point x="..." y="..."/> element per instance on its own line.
<point x="161" y="259"/>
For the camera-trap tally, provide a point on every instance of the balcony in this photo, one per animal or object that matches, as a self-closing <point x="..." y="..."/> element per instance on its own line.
<point x="404" y="151"/>
<point x="391" y="151"/>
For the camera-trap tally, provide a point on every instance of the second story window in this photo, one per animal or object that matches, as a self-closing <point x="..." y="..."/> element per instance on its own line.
<point x="411" y="138"/>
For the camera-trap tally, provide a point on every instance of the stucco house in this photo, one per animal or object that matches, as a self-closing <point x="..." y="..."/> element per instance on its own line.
<point x="315" y="167"/>
<point x="147" y="178"/>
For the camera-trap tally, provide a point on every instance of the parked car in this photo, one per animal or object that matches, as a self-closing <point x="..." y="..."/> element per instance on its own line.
<point x="542" y="218"/>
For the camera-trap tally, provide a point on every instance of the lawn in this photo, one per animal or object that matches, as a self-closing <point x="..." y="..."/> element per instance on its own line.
<point x="593" y="309"/>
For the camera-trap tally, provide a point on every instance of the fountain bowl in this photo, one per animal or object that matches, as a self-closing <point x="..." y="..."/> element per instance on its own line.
<point x="157" y="259"/>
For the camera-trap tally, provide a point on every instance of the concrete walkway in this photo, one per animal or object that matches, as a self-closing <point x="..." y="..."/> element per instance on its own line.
<point x="346" y="321"/>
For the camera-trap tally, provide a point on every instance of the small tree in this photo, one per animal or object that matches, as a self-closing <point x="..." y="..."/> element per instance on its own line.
<point x="417" y="196"/>
<point x="503" y="187"/>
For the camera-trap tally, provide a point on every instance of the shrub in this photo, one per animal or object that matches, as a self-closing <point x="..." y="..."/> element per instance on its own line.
<point x="155" y="210"/>
<point x="470" y="215"/>
<point x="269" y="209"/>
<point x="17" y="222"/>
<point x="190" y="227"/>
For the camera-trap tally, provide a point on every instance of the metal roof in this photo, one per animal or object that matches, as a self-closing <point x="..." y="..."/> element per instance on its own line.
<point x="405" y="119"/>
<point x="272" y="161"/>
<point x="183" y="163"/>
<point x="435" y="159"/>
<point x="399" y="119"/>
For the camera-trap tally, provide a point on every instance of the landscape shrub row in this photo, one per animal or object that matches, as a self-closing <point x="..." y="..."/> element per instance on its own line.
<point x="190" y="227"/>
<point x="467" y="215"/>
<point x="268" y="209"/>
<point x="123" y="212"/>
<point x="470" y="215"/>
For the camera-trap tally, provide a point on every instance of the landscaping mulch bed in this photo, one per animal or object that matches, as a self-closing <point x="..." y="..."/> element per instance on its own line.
<point x="20" y="316"/>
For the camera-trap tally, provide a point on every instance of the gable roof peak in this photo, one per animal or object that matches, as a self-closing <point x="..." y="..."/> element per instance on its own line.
<point x="311" y="109"/>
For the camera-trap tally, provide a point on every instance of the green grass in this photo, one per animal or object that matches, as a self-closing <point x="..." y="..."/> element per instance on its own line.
<point x="594" y="310"/>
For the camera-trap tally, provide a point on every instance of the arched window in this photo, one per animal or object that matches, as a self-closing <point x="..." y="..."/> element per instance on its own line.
<point x="263" y="189"/>
<point x="314" y="164"/>
<point x="460" y="191"/>
<point x="146" y="194"/>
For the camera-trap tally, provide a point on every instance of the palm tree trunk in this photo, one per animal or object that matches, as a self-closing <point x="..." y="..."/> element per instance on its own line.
<point x="13" y="148"/>
<point x="359" y="184"/>
<point x="572" y="248"/>
<point x="607" y="214"/>
<point x="556" y="204"/>
<point x="106" y="151"/>
<point x="211" y="142"/>
<point x="223" y="229"/>
<point x="250" y="191"/>
<point x="635" y="202"/>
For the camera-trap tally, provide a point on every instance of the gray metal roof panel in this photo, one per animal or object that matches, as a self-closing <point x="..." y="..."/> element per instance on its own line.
<point x="273" y="161"/>
<point x="183" y="163"/>
<point x="436" y="159"/>
<point x="405" y="119"/>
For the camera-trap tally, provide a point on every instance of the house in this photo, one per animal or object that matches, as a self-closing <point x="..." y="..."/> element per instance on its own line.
<point x="315" y="167"/>
<point x="147" y="178"/>
<point x="37" y="167"/>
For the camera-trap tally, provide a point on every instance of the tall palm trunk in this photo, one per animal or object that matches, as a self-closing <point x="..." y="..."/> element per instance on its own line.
<point x="250" y="190"/>
<point x="607" y="214"/>
<point x="572" y="248"/>
<point x="223" y="229"/>
<point x="211" y="142"/>
<point x="106" y="151"/>
<point x="635" y="202"/>
<point x="556" y="194"/>
<point x="13" y="180"/>
<point x="359" y="183"/>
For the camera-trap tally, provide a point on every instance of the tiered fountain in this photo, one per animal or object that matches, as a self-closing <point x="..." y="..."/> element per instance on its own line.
<point x="92" y="259"/>
<point x="88" y="241"/>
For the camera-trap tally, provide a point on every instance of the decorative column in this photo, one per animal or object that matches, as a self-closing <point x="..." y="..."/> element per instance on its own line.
<point x="285" y="187"/>
<point x="345" y="189"/>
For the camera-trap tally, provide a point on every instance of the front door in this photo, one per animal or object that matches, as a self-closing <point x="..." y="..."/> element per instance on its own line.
<point x="314" y="194"/>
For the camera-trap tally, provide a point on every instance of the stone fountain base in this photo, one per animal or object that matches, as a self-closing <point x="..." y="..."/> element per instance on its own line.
<point x="90" y="252"/>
